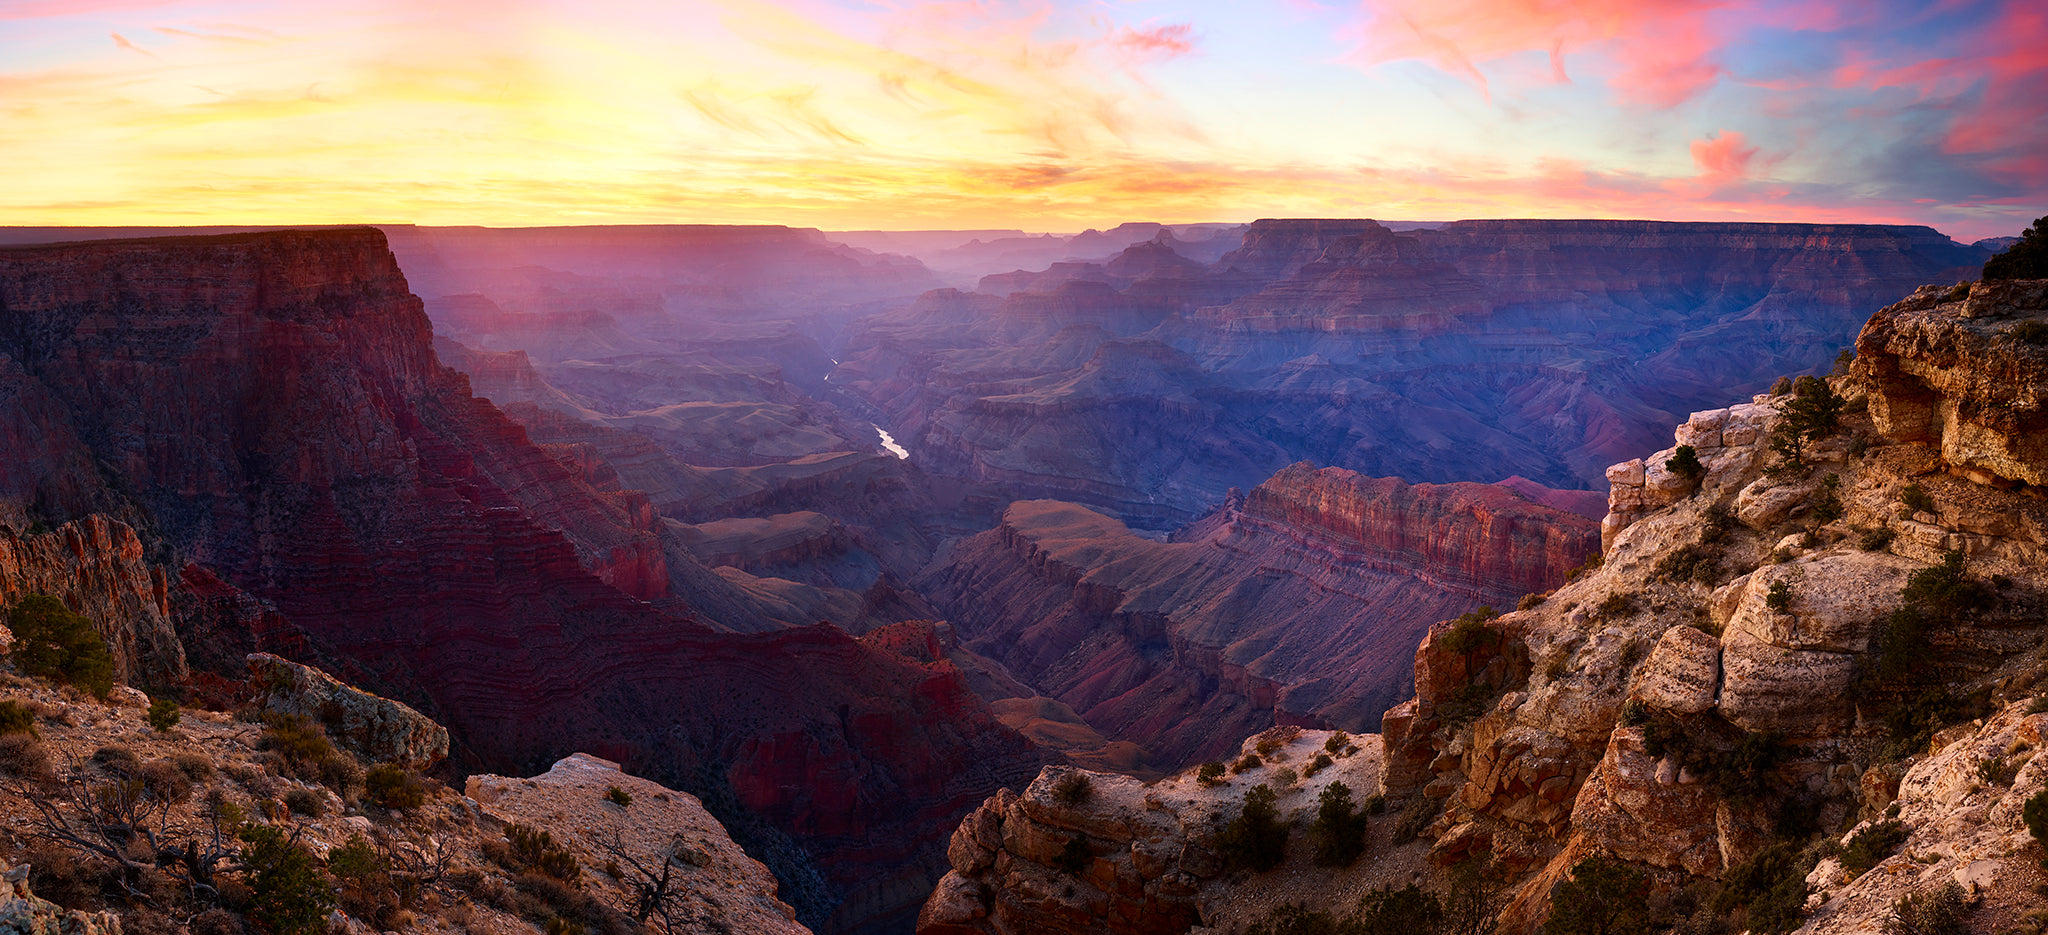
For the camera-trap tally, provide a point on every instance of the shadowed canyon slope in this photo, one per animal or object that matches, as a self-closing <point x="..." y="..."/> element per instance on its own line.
<point x="1296" y="604"/>
<point x="1475" y="351"/>
<point x="270" y="406"/>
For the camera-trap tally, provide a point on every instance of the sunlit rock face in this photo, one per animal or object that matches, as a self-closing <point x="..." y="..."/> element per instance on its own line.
<point x="273" y="405"/>
<point x="1476" y="351"/>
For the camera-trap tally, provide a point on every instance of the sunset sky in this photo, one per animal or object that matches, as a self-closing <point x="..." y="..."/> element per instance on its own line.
<point x="1044" y="116"/>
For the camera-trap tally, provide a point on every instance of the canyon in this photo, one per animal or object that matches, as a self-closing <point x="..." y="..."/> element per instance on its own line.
<point x="624" y="492"/>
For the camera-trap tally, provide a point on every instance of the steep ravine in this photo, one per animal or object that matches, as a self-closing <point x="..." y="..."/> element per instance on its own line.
<point x="1730" y="678"/>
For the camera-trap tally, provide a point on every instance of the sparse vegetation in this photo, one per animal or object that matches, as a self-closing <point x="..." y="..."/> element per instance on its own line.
<point x="1828" y="507"/>
<point x="16" y="718"/>
<point x="391" y="786"/>
<point x="1779" y="598"/>
<point x="2025" y="259"/>
<point x="618" y="796"/>
<point x="163" y="715"/>
<point x="2035" y="814"/>
<point x="1469" y="632"/>
<point x="1073" y="789"/>
<point x="1944" y="910"/>
<point x="1769" y="889"/>
<point x="1877" y="540"/>
<point x="52" y="642"/>
<point x="1810" y="412"/>
<point x="2029" y="332"/>
<point x="1339" y="744"/>
<point x="1615" y="606"/>
<point x="1872" y="844"/>
<point x="1602" y="897"/>
<point x="1338" y="833"/>
<point x="1256" y="839"/>
<point x="1916" y="498"/>
<point x="1316" y="764"/>
<point x="534" y="850"/>
<point x="1210" y="773"/>
<point x="1685" y="462"/>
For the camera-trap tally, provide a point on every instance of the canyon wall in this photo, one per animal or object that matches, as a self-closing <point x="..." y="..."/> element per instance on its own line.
<point x="1477" y="351"/>
<point x="1296" y="604"/>
<point x="272" y="404"/>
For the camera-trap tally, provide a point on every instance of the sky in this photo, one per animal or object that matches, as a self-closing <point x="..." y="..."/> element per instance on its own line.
<point x="1044" y="116"/>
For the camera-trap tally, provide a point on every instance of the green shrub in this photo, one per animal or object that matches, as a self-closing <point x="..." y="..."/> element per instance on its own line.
<point x="1256" y="838"/>
<point x="2027" y="258"/>
<point x="1877" y="540"/>
<point x="304" y="802"/>
<point x="1916" y="498"/>
<point x="17" y="718"/>
<point x="1469" y="632"/>
<point x="1531" y="600"/>
<point x="52" y="642"/>
<point x="1685" y="463"/>
<point x="1871" y="845"/>
<point x="1073" y="789"/>
<point x="1602" y="897"/>
<point x="1210" y="773"/>
<point x="618" y="796"/>
<point x="1829" y="507"/>
<point x="1944" y="910"/>
<point x="1410" y="910"/>
<point x="1780" y="597"/>
<point x="534" y="849"/>
<point x="1769" y="888"/>
<point x="287" y="893"/>
<point x="1615" y="606"/>
<point x="302" y="743"/>
<point x="1316" y="764"/>
<point x="1338" y="833"/>
<point x="1249" y="761"/>
<point x="1336" y="744"/>
<point x="2035" y="814"/>
<point x="163" y="715"/>
<point x="1696" y="563"/>
<point x="392" y="786"/>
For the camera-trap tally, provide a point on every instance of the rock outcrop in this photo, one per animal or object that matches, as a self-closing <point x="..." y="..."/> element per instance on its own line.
<point x="650" y="832"/>
<point x="95" y="565"/>
<point x="1084" y="852"/>
<point x="1294" y="605"/>
<point x="1736" y="657"/>
<point x="24" y="913"/>
<point x="1966" y="377"/>
<point x="375" y="728"/>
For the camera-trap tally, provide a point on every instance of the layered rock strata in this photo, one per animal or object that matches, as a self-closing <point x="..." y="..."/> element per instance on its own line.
<point x="1293" y="605"/>
<point x="96" y="566"/>
<point x="273" y="404"/>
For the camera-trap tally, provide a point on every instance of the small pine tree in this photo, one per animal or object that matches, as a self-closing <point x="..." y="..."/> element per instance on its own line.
<point x="1602" y="897"/>
<point x="1685" y="462"/>
<point x="1811" y="411"/>
<point x="1338" y="834"/>
<point x="163" y="715"/>
<point x="287" y="892"/>
<point x="54" y="643"/>
<point x="1256" y="838"/>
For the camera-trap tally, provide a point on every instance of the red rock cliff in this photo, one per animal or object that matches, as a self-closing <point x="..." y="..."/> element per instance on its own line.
<point x="273" y="403"/>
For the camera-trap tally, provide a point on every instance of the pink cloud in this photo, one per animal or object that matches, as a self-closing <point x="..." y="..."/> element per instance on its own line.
<point x="1167" y="41"/>
<point x="122" y="41"/>
<point x="1723" y="156"/>
<point x="1663" y="52"/>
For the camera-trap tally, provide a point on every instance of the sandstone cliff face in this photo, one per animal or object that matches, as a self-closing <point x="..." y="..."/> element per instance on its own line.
<point x="1291" y="606"/>
<point x="95" y="566"/>
<point x="1958" y="376"/>
<point x="274" y="405"/>
<point x="1750" y="606"/>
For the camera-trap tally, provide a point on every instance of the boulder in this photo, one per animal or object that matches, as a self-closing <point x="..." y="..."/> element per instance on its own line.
<point x="1799" y="692"/>
<point x="1682" y="673"/>
<point x="22" y="912"/>
<point x="373" y="727"/>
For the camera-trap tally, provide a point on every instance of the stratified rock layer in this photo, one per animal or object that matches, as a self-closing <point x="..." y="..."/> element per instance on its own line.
<point x="1296" y="605"/>
<point x="95" y="566"/>
<point x="273" y="403"/>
